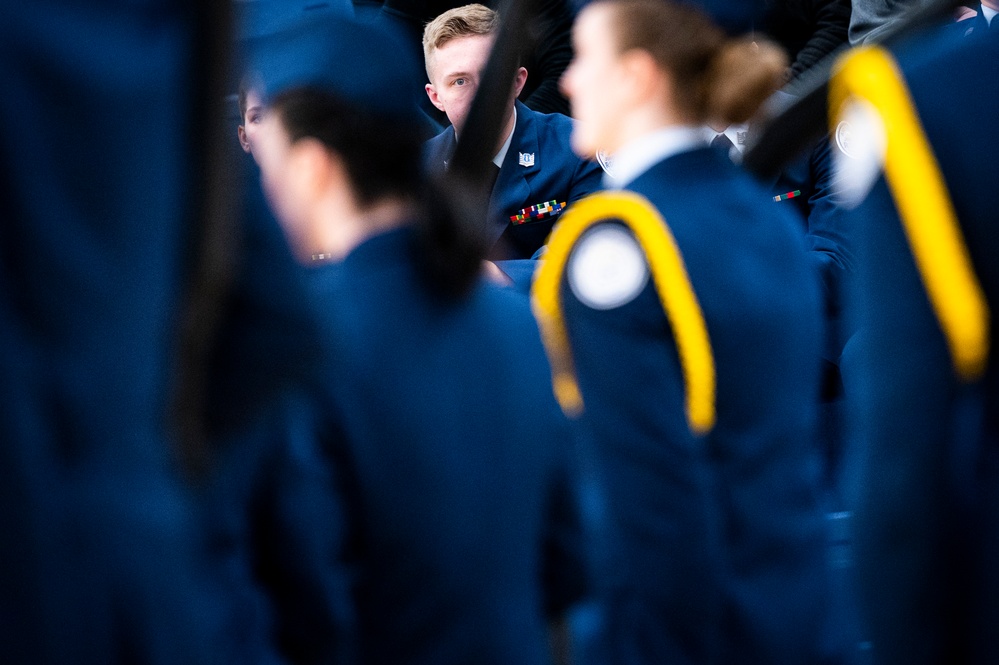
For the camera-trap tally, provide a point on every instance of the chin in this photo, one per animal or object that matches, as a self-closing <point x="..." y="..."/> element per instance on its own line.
<point x="582" y="145"/>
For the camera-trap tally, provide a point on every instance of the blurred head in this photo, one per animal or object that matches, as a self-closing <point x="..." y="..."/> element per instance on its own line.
<point x="340" y="135"/>
<point x="340" y="149"/>
<point x="314" y="145"/>
<point x="643" y="64"/>
<point x="456" y="47"/>
<point x="251" y="115"/>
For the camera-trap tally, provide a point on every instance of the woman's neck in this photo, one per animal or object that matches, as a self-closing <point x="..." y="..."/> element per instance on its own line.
<point x="340" y="226"/>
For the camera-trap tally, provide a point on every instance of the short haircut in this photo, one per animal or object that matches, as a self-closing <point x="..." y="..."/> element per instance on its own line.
<point x="474" y="19"/>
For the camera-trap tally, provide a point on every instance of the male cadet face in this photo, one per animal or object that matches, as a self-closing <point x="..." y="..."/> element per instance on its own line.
<point x="251" y="121"/>
<point x="590" y="83"/>
<point x="455" y="71"/>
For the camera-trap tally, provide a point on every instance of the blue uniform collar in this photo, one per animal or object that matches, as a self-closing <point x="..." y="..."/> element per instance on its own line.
<point x="505" y="148"/>
<point x="639" y="155"/>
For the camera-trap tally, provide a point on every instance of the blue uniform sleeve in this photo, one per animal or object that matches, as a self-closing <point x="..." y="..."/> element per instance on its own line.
<point x="278" y="523"/>
<point x="587" y="179"/>
<point x="576" y="544"/>
<point x="906" y="411"/>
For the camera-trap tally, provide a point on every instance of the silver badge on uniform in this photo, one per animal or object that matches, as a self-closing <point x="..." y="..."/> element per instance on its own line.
<point x="604" y="160"/>
<point x="844" y="134"/>
<point x="861" y="142"/>
<point x="526" y="158"/>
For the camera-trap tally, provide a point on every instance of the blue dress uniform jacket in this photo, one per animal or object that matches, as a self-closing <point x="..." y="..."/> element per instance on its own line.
<point x="539" y="169"/>
<point x="928" y="468"/>
<point x="722" y="539"/>
<point x="275" y="527"/>
<point x="452" y="464"/>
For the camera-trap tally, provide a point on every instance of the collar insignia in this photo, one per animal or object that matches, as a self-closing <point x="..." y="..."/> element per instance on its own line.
<point x="526" y="158"/>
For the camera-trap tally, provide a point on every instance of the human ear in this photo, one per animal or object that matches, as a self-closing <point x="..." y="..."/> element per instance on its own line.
<point x="640" y="76"/>
<point x="519" y="80"/>
<point x="434" y="97"/>
<point x="243" y="141"/>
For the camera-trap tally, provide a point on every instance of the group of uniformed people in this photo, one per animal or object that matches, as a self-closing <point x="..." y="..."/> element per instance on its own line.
<point x="348" y="437"/>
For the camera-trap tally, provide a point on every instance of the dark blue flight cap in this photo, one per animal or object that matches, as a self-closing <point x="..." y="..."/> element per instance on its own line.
<point x="366" y="64"/>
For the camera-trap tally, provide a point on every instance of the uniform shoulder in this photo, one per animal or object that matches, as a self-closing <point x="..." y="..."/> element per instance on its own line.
<point x="554" y="123"/>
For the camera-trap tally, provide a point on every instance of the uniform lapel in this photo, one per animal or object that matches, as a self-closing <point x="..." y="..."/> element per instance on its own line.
<point x="447" y="149"/>
<point x="513" y="186"/>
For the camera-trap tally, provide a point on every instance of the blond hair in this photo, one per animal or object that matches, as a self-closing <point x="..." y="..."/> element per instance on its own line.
<point x="716" y="79"/>
<point x="474" y="19"/>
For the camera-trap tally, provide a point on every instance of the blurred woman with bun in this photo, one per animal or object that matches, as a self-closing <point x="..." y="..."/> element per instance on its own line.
<point x="683" y="322"/>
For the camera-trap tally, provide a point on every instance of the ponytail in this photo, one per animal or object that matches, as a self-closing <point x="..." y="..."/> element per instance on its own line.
<point x="715" y="78"/>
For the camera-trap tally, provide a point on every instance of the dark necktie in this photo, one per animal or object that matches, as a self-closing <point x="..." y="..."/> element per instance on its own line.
<point x="723" y="144"/>
<point x="493" y="174"/>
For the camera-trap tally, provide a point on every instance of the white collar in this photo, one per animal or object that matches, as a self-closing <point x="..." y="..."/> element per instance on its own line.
<point x="989" y="14"/>
<point x="501" y="155"/>
<point x="733" y="133"/>
<point x="639" y="155"/>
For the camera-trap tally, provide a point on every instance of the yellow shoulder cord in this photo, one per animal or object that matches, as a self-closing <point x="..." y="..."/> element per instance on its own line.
<point x="923" y="204"/>
<point x="672" y="284"/>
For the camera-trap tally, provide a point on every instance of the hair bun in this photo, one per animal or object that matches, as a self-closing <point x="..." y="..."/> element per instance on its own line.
<point x="742" y="75"/>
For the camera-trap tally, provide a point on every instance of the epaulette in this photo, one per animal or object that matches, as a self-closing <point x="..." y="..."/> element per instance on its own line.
<point x="923" y="203"/>
<point x="669" y="274"/>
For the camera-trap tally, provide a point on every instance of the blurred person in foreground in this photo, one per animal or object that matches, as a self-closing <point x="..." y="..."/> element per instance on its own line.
<point x="463" y="529"/>
<point x="683" y="321"/>
<point x="924" y="386"/>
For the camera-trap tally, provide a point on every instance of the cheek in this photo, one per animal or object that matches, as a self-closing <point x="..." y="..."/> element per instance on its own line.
<point x="274" y="190"/>
<point x="461" y="98"/>
<point x="582" y="139"/>
<point x="252" y="131"/>
<point x="459" y="104"/>
<point x="272" y="179"/>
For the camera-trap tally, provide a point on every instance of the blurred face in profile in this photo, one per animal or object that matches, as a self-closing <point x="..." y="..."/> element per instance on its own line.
<point x="285" y="179"/>
<point x="250" y="122"/>
<point x="593" y="81"/>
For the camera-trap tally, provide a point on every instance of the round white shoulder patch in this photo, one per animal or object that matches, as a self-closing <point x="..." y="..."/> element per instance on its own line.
<point x="844" y="137"/>
<point x="861" y="141"/>
<point x="607" y="268"/>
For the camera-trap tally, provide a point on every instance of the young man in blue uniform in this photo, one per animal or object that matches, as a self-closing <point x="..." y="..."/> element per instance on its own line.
<point x="537" y="173"/>
<point x="922" y="379"/>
